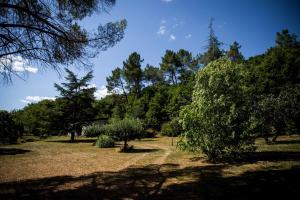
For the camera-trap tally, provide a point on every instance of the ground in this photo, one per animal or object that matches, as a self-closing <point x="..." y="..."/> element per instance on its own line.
<point x="56" y="169"/>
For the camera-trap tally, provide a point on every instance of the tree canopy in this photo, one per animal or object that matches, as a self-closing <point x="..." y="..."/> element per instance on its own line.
<point x="47" y="33"/>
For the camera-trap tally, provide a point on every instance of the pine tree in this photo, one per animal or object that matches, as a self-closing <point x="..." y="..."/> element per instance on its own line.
<point x="77" y="98"/>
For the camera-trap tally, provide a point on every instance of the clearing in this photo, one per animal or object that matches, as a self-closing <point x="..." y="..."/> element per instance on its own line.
<point x="56" y="169"/>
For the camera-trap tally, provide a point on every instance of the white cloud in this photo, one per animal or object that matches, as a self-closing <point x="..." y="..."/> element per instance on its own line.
<point x="35" y="99"/>
<point x="19" y="64"/>
<point x="172" y="37"/>
<point x="101" y="93"/>
<point x="188" y="36"/>
<point x="167" y="1"/>
<point x="161" y="30"/>
<point x="163" y="21"/>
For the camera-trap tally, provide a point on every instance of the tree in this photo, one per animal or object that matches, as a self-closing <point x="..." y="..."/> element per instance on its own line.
<point x="116" y="82"/>
<point x="234" y="53"/>
<point x="48" y="34"/>
<point x="213" y="48"/>
<point x="286" y="40"/>
<point x="10" y="131"/>
<point x="133" y="73"/>
<point x="170" y="66"/>
<point x="77" y="101"/>
<point x="153" y="75"/>
<point x="217" y="122"/>
<point x="125" y="130"/>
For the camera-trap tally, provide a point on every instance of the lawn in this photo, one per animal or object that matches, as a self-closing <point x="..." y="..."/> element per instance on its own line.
<point x="56" y="169"/>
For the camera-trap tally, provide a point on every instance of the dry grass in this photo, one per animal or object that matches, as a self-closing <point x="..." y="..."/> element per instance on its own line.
<point x="54" y="168"/>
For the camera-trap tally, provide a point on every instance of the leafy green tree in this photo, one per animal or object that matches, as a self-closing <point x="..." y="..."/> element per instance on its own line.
<point x="286" y="40"/>
<point x="217" y="122"/>
<point x="77" y="101"/>
<point x="48" y="33"/>
<point x="234" y="53"/>
<point x="153" y="75"/>
<point x="213" y="51"/>
<point x="126" y="129"/>
<point x="10" y="131"/>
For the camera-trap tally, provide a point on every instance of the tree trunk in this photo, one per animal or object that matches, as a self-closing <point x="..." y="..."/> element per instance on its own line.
<point x="72" y="136"/>
<point x="125" y="145"/>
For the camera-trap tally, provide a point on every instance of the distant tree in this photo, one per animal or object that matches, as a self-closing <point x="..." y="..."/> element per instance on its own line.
<point x="213" y="51"/>
<point x="116" y="82"/>
<point x="40" y="119"/>
<point x="10" y="131"/>
<point x="170" y="66"/>
<point x="133" y="73"/>
<point x="48" y="34"/>
<point x="285" y="40"/>
<point x="153" y="75"/>
<point x="188" y="65"/>
<point x="77" y="101"/>
<point x="234" y="53"/>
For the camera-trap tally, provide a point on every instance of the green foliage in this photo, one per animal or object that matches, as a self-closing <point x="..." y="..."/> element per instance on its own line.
<point x="126" y="129"/>
<point x="234" y="53"/>
<point x="9" y="130"/>
<point x="93" y="130"/>
<point x="76" y="101"/>
<point x="105" y="141"/>
<point x="213" y="48"/>
<point x="217" y="121"/>
<point x="171" y="128"/>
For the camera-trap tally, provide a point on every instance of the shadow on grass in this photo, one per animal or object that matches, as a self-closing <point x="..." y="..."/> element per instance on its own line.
<point x="12" y="151"/>
<point x="142" y="150"/>
<point x="288" y="142"/>
<point x="271" y="156"/>
<point x="75" y="141"/>
<point x="151" y="182"/>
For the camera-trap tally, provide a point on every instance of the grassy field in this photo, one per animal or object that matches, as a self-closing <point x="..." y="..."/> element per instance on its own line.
<point x="56" y="169"/>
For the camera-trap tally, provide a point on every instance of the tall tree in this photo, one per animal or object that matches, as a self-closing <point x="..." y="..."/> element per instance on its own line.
<point x="133" y="73"/>
<point x="153" y="75"/>
<point x="234" y="53"/>
<point x="116" y="82"/>
<point x="285" y="40"/>
<point x="170" y="66"/>
<point x="77" y="98"/>
<point x="47" y="34"/>
<point x="213" y="48"/>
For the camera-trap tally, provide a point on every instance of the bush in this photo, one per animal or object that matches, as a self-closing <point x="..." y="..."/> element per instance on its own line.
<point x="105" y="141"/>
<point x="94" y="130"/>
<point x="218" y="121"/>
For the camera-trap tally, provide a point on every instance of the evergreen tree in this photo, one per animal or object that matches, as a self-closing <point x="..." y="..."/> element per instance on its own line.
<point x="133" y="73"/>
<point x="234" y="53"/>
<point x="213" y="48"/>
<point x="77" y="99"/>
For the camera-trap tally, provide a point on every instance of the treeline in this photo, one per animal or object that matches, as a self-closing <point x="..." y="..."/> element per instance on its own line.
<point x="218" y="101"/>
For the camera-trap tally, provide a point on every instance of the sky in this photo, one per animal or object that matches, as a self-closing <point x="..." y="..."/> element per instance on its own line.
<point x="157" y="25"/>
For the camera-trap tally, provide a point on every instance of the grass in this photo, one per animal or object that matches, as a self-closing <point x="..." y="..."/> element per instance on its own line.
<point x="56" y="169"/>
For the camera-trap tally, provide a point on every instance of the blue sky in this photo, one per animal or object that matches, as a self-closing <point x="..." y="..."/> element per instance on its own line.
<point x="157" y="25"/>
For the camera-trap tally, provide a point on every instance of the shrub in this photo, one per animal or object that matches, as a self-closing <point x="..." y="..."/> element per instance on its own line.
<point x="105" y="141"/>
<point x="218" y="121"/>
<point x="93" y="130"/>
